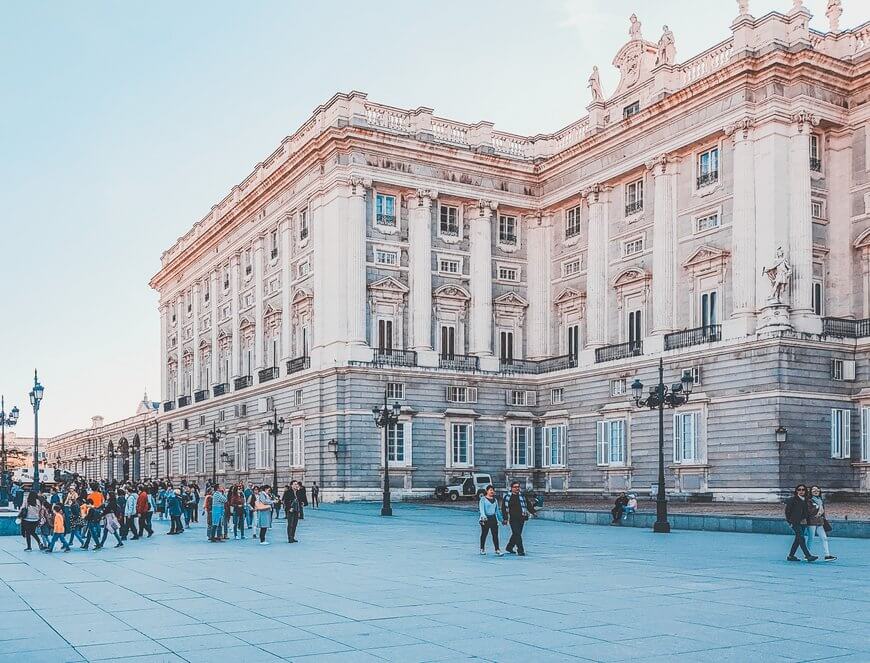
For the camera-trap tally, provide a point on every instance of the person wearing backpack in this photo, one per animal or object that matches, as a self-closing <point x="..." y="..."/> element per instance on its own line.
<point x="92" y="516"/>
<point x="29" y="516"/>
<point x="796" y="514"/>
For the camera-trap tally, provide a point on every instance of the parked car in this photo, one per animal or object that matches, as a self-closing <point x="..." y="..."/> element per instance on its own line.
<point x="464" y="485"/>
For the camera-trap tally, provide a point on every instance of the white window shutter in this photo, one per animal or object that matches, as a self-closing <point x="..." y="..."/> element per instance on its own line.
<point x="531" y="398"/>
<point x="835" y="443"/>
<point x="472" y="394"/>
<point x="546" y="448"/>
<point x="448" y="394"/>
<point x="601" y="442"/>
<point x="847" y="434"/>
<point x="530" y="447"/>
<point x="509" y="396"/>
<point x="865" y="434"/>
<point x="848" y="369"/>
<point x="678" y="439"/>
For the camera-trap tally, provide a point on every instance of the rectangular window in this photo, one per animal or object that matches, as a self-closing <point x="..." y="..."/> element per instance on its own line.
<point x="385" y="210"/>
<point x="686" y="437"/>
<point x="816" y="209"/>
<point x="508" y="274"/>
<point x="263" y="451"/>
<point x="573" y="341"/>
<point x="631" y="109"/>
<point x="506" y="346"/>
<point x="273" y="242"/>
<point x="632" y="247"/>
<point x="571" y="267"/>
<point x="521" y="451"/>
<point x="635" y="328"/>
<point x="865" y="434"/>
<point x="248" y="261"/>
<point x="815" y="153"/>
<point x="617" y="387"/>
<point x="818" y="300"/>
<point x="225" y="277"/>
<point x="707" y="222"/>
<point x="695" y="373"/>
<point x="199" y="458"/>
<point x="611" y="446"/>
<point x="297" y="447"/>
<point x="449" y="220"/>
<point x="841" y="433"/>
<point x="708" y="168"/>
<point x="709" y="308"/>
<point x="386" y="257"/>
<point x="554" y="443"/>
<point x="297" y="397"/>
<point x="572" y="222"/>
<point x="303" y="224"/>
<point x="448" y="342"/>
<point x="462" y="394"/>
<point x="447" y="266"/>
<point x="303" y="268"/>
<point x="461" y="447"/>
<point x="395" y="391"/>
<point x="633" y="197"/>
<point x="557" y="395"/>
<point x="396" y="443"/>
<point x="507" y="229"/>
<point x="385" y="336"/>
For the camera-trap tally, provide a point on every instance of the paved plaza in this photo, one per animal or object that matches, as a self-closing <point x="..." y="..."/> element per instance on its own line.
<point x="413" y="588"/>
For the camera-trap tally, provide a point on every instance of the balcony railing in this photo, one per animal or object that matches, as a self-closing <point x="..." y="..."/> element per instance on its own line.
<point x="385" y="357"/>
<point x="386" y="219"/>
<point x="242" y="382"/>
<point x="846" y="328"/>
<point x="459" y="362"/>
<point x="267" y="374"/>
<point x="618" y="351"/>
<point x="168" y="405"/>
<point x="451" y="231"/>
<point x="696" y="336"/>
<point x="634" y="208"/>
<point x="200" y="395"/>
<point x="507" y="238"/>
<point x="816" y="165"/>
<point x="705" y="179"/>
<point x="537" y="366"/>
<point x="298" y="364"/>
<point x="220" y="389"/>
<point x="183" y="401"/>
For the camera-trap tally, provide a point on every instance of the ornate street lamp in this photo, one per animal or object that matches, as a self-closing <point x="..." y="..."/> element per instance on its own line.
<point x="214" y="435"/>
<point x="660" y="396"/>
<point x="274" y="427"/>
<point x="5" y="420"/>
<point x="384" y="416"/>
<point x="35" y="399"/>
<point x="167" y="445"/>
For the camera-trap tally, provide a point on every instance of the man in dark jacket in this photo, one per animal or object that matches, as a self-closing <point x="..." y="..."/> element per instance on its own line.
<point x="516" y="511"/>
<point x="292" y="507"/>
<point x="796" y="514"/>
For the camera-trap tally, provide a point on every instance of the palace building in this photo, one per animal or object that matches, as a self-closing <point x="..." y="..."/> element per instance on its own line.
<point x="507" y="290"/>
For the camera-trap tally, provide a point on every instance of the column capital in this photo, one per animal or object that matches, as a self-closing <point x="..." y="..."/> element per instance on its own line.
<point x="739" y="130"/>
<point x="595" y="193"/>
<point x="659" y="165"/>
<point x="235" y="258"/>
<point x="196" y="286"/>
<point x="258" y="242"/>
<point x="358" y="185"/>
<point x="485" y="208"/>
<point x="805" y="120"/>
<point x="424" y="197"/>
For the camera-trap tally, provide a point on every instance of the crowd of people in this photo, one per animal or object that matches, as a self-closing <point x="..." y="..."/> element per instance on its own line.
<point x="92" y="511"/>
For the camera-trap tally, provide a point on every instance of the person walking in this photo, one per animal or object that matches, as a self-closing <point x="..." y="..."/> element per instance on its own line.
<point x="17" y="495"/>
<point x="143" y="512"/>
<point x="488" y="511"/>
<point x="110" y="523"/>
<point x="130" y="516"/>
<point x="796" y="513"/>
<point x="251" y="494"/>
<point x="218" y="504"/>
<point x="74" y="520"/>
<point x="264" y="512"/>
<point x="173" y="510"/>
<point x="302" y="496"/>
<point x="29" y="515"/>
<point x="515" y="512"/>
<point x="315" y="495"/>
<point x="817" y="522"/>
<point x="59" y="525"/>
<point x="236" y="506"/>
<point x="290" y="500"/>
<point x="194" y="498"/>
<point x="92" y="516"/>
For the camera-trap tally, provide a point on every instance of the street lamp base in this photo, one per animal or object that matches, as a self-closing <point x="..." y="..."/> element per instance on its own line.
<point x="387" y="511"/>
<point x="662" y="527"/>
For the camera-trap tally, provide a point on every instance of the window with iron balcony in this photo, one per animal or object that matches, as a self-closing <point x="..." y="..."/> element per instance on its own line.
<point x="385" y="210"/>
<point x="507" y="230"/>
<point x="708" y="168"/>
<point x="572" y="222"/>
<point x="449" y="220"/>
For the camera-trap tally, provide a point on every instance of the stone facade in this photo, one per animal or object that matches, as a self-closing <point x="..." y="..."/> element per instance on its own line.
<point x="714" y="213"/>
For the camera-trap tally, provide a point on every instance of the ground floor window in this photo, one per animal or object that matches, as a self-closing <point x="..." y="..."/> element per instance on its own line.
<point x="461" y="445"/>
<point x="555" y="445"/>
<point x="611" y="442"/>
<point x="521" y="446"/>
<point x="686" y="437"/>
<point x="398" y="443"/>
<point x="840" y="433"/>
<point x="297" y="447"/>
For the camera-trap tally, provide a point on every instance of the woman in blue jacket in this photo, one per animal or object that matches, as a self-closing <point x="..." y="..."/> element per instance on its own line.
<point x="489" y="512"/>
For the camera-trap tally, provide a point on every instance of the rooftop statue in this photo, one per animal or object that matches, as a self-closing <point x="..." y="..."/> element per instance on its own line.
<point x="666" y="49"/>
<point x="594" y="85"/>
<point x="634" y="30"/>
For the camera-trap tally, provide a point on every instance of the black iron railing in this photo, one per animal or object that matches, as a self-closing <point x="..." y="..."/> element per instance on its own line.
<point x="390" y="357"/>
<point x="267" y="374"/>
<point x="220" y="389"/>
<point x="557" y="363"/>
<point x="168" y="405"/>
<point x="572" y="229"/>
<point x="707" y="178"/>
<point x="386" y="219"/>
<point x="298" y="364"/>
<point x="634" y="208"/>
<point x="816" y="165"/>
<point x="273" y="253"/>
<point x="183" y="401"/>
<point x="242" y="382"/>
<point x="696" y="336"/>
<point x="459" y="362"/>
<point x="200" y="395"/>
<point x="452" y="231"/>
<point x="507" y="238"/>
<point x="846" y="328"/>
<point x="537" y="366"/>
<point x="618" y="351"/>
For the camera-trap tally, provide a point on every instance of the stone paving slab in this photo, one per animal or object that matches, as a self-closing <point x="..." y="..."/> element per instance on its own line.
<point x="360" y="588"/>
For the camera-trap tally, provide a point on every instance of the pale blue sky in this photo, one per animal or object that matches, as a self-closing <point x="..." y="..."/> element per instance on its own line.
<point x="124" y="122"/>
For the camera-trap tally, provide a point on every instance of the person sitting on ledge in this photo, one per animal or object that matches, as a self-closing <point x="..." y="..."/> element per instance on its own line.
<point x="618" y="508"/>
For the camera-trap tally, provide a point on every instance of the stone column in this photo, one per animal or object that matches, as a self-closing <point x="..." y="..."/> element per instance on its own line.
<point x="259" y="359"/>
<point x="481" y="278"/>
<point x="420" y="243"/>
<point x="800" y="236"/>
<point x="194" y="383"/>
<point x="164" y="385"/>
<point x="538" y="248"/>
<point x="839" y="285"/>
<point x="743" y="269"/>
<point x="356" y="261"/>
<point x="179" y="333"/>
<point x="664" y="219"/>
<point x="234" y="305"/>
<point x="213" y="300"/>
<point x="596" y="267"/>
<point x="286" y="277"/>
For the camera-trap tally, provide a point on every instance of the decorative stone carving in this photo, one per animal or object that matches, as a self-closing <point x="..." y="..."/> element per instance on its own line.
<point x="739" y="129"/>
<point x="594" y="85"/>
<point x="834" y="12"/>
<point x="805" y="120"/>
<point x="743" y="7"/>
<point x="634" y="27"/>
<point x="779" y="274"/>
<point x="666" y="49"/>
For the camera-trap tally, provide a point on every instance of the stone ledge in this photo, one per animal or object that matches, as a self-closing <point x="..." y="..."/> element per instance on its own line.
<point x="854" y="529"/>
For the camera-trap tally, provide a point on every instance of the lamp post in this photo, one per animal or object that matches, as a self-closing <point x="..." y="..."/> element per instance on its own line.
<point x="275" y="426"/>
<point x="384" y="416"/>
<point x="35" y="400"/>
<point x="5" y="420"/>
<point x="660" y="396"/>
<point x="214" y="434"/>
<point x="167" y="445"/>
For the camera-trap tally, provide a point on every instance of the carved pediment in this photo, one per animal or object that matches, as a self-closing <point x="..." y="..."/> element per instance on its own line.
<point x="271" y="311"/>
<point x="389" y="285"/>
<point x="706" y="257"/>
<point x="452" y="292"/>
<point x="245" y="322"/>
<point x="631" y="276"/>
<point x="863" y="241"/>
<point x="568" y="296"/>
<point x="635" y="62"/>
<point x="510" y="299"/>
<point x="301" y="295"/>
<point x="204" y="344"/>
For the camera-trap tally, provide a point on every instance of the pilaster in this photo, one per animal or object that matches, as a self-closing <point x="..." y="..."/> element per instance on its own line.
<point x="356" y="261"/>
<point x="215" y="354"/>
<point x="258" y="303"/>
<point x="481" y="278"/>
<point x="195" y="379"/>
<point x="539" y="247"/>
<point x="743" y="228"/>
<point x="179" y="324"/>
<point x="664" y="220"/>
<point x="163" y="354"/>
<point x="234" y="306"/>
<point x="597" y="198"/>
<point x="286" y="277"/>
<point x="839" y="282"/>
<point x="801" y="224"/>
<point x="420" y="242"/>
